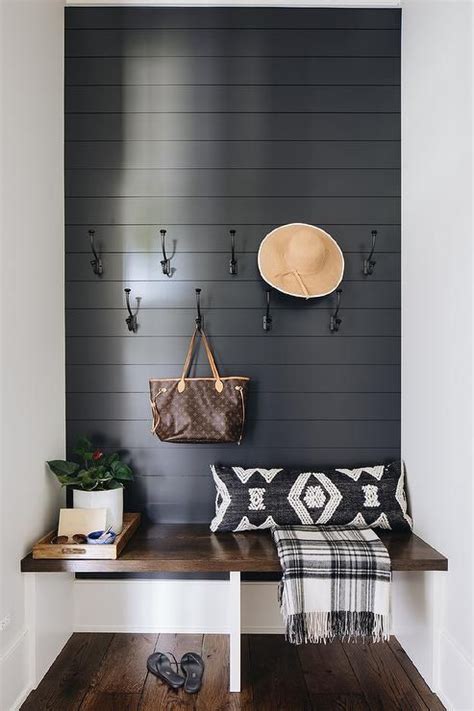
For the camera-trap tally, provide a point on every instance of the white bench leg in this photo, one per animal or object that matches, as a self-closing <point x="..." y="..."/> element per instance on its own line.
<point x="234" y="604"/>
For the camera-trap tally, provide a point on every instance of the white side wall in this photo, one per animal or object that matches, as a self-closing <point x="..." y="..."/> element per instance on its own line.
<point x="32" y="328"/>
<point x="437" y="330"/>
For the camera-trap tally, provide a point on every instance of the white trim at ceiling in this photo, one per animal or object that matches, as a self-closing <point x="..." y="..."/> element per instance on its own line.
<point x="240" y="3"/>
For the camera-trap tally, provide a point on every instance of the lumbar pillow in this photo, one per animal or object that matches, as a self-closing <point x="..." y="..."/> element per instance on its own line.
<point x="248" y="499"/>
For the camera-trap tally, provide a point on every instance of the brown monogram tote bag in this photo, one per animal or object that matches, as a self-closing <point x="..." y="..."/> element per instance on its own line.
<point x="199" y="410"/>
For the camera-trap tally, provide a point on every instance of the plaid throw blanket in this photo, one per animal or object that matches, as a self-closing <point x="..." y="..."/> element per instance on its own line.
<point x="335" y="583"/>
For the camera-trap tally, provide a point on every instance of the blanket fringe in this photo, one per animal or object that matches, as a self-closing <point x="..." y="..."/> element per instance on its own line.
<point x="314" y="627"/>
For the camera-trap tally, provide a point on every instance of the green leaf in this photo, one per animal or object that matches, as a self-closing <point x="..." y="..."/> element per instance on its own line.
<point x="106" y="477"/>
<point x="114" y="485"/>
<point x="61" y="468"/>
<point x="87" y="481"/>
<point x="122" y="471"/>
<point x="83" y="445"/>
<point x="68" y="481"/>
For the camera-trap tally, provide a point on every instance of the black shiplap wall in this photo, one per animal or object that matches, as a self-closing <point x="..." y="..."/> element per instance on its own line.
<point x="199" y="120"/>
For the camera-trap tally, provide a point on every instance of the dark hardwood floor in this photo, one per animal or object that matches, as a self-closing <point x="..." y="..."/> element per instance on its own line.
<point x="107" y="672"/>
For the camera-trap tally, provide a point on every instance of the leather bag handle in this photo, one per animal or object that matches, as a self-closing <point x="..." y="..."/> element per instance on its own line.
<point x="219" y="385"/>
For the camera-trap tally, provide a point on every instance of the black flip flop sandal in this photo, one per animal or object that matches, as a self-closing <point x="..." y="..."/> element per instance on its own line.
<point x="192" y="666"/>
<point x="159" y="664"/>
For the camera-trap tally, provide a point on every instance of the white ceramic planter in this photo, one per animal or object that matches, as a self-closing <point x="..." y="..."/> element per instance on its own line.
<point x="112" y="500"/>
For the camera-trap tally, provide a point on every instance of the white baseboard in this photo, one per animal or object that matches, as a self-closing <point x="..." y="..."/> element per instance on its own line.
<point x="47" y="627"/>
<point x="456" y="676"/>
<point x="446" y="702"/>
<point x="49" y="615"/>
<point x="198" y="606"/>
<point x="15" y="673"/>
<point x="20" y="700"/>
<point x="264" y="630"/>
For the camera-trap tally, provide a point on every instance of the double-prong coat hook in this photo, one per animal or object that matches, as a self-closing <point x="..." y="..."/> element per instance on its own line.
<point x="131" y="320"/>
<point x="96" y="263"/>
<point x="165" y="262"/>
<point x="369" y="263"/>
<point x="336" y="321"/>
<point x="199" y="318"/>
<point x="267" y="319"/>
<point x="233" y="260"/>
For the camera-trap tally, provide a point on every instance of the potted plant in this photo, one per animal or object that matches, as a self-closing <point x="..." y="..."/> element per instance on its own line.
<point x="98" y="480"/>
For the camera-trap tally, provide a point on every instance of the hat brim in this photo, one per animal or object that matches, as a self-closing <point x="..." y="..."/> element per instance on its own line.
<point x="272" y="265"/>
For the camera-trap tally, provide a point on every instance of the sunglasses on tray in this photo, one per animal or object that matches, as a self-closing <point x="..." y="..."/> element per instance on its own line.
<point x="76" y="539"/>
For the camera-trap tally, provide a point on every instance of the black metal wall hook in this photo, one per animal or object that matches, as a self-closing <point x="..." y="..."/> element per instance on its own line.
<point x="267" y="319"/>
<point x="369" y="263"/>
<point x="199" y="318"/>
<point x="336" y="321"/>
<point x="131" y="320"/>
<point x="96" y="263"/>
<point x="165" y="262"/>
<point x="233" y="260"/>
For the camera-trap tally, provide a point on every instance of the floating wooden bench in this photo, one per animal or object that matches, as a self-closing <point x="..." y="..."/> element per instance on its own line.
<point x="192" y="548"/>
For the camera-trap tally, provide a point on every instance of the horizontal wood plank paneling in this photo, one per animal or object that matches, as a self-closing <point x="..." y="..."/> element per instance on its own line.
<point x="215" y="238"/>
<point x="202" y="120"/>
<point x="164" y="99"/>
<point x="239" y="350"/>
<point x="327" y="378"/>
<point x="205" y="155"/>
<point x="229" y="294"/>
<point x="228" y="71"/>
<point x="232" y="127"/>
<point x="208" y="267"/>
<point x="268" y="406"/>
<point x="108" y="210"/>
<point x="175" y="462"/>
<point x="231" y="17"/>
<point x="232" y="183"/>
<point x="225" y="43"/>
<point x="232" y="322"/>
<point x="264" y="433"/>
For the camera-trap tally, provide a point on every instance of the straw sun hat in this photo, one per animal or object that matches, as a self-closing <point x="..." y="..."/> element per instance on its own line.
<point x="301" y="260"/>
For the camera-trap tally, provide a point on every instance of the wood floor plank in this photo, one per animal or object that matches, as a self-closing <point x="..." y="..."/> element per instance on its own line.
<point x="383" y="681"/>
<point x="73" y="672"/>
<point x="327" y="670"/>
<point x="215" y="693"/>
<point x="341" y="702"/>
<point x="156" y="693"/>
<point x="105" y="672"/>
<point x="430" y="699"/>
<point x="124" y="666"/>
<point x="246" y="693"/>
<point x="277" y="678"/>
<point x="102" y="701"/>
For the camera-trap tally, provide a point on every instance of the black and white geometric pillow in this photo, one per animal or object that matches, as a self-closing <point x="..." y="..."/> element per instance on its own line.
<point x="249" y="499"/>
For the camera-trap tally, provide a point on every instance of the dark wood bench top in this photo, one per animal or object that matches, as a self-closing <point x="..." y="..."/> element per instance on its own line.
<point x="192" y="548"/>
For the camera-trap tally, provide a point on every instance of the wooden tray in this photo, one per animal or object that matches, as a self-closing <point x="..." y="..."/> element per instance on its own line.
<point x="109" y="551"/>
